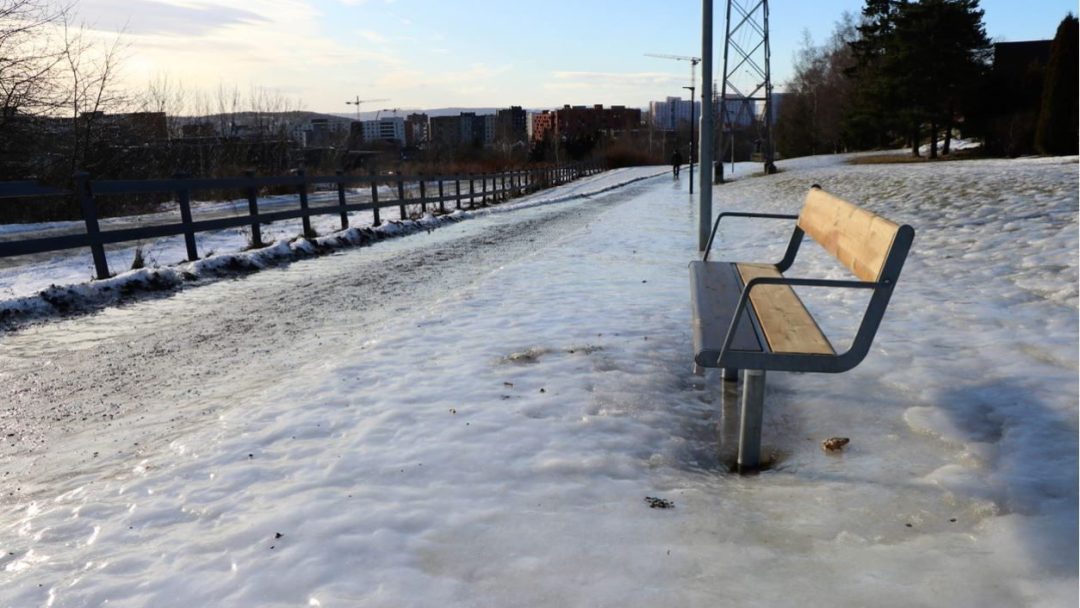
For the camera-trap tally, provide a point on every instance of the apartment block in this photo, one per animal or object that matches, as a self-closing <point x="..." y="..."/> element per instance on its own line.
<point x="673" y="113"/>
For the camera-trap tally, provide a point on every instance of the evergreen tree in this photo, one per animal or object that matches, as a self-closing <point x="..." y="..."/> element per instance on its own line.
<point x="916" y="66"/>
<point x="873" y="117"/>
<point x="1057" y="131"/>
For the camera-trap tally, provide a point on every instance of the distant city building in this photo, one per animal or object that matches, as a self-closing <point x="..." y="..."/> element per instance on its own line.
<point x="673" y="113"/>
<point x="473" y="129"/>
<point x="777" y="102"/>
<point x="739" y="111"/>
<point x="542" y="125"/>
<point x="489" y="129"/>
<point x="317" y="133"/>
<point x="571" y="122"/>
<point x="1014" y="58"/>
<point x="416" y="129"/>
<point x="387" y="128"/>
<point x="445" y="130"/>
<point x="511" y="125"/>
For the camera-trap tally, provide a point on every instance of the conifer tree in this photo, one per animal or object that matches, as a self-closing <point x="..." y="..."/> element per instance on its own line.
<point x="1057" y="131"/>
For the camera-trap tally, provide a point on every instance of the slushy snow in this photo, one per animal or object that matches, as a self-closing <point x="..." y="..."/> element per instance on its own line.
<point x="492" y="444"/>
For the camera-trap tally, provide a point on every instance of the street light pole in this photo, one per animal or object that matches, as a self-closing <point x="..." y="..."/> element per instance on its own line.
<point x="691" y="87"/>
<point x="706" y="139"/>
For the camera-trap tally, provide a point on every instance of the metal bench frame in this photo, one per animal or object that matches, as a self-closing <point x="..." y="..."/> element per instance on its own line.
<point x="754" y="364"/>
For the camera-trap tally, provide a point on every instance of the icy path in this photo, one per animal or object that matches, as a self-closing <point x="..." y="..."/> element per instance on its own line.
<point x="473" y="417"/>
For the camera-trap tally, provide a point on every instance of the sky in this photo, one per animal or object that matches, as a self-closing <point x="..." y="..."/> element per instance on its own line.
<point x="465" y="53"/>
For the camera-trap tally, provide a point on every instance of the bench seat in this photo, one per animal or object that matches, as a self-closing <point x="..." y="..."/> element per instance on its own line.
<point x="787" y="325"/>
<point x="775" y="322"/>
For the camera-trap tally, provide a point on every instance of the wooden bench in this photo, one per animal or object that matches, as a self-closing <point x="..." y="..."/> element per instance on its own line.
<point x="746" y="316"/>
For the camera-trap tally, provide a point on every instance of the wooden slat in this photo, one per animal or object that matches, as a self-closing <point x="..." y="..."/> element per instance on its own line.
<point x="787" y="325"/>
<point x="858" y="238"/>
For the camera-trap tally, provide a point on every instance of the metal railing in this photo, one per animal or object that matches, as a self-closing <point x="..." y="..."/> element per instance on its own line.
<point x="456" y="190"/>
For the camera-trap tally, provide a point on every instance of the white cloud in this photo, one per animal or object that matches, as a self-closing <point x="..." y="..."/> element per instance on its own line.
<point x="163" y="17"/>
<point x="372" y="36"/>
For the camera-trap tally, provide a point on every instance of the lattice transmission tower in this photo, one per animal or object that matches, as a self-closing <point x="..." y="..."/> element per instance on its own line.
<point x="745" y="83"/>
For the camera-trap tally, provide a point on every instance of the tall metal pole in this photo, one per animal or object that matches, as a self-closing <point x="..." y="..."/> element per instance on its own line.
<point x="770" y="148"/>
<point x="692" y="102"/>
<point x="724" y="120"/>
<point x="705" y="141"/>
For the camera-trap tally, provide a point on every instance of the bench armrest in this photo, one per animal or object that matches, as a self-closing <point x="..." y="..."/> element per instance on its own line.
<point x="744" y="297"/>
<point x="716" y="224"/>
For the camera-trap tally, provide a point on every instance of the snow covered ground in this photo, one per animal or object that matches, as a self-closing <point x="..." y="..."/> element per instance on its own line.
<point x="473" y="417"/>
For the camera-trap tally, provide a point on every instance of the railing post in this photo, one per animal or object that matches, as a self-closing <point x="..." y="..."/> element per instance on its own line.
<point x="502" y="181"/>
<point x="401" y="196"/>
<point x="483" y="185"/>
<point x="183" y="196"/>
<point x="253" y="210"/>
<point x="753" y="404"/>
<point x="457" y="189"/>
<point x="306" y="217"/>
<point x="375" y="198"/>
<point x="423" y="194"/>
<point x="472" y="192"/>
<point x="442" y="199"/>
<point x="341" y="200"/>
<point x="93" y="230"/>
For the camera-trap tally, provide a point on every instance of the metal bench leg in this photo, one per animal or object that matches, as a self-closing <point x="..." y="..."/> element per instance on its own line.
<point x="753" y="403"/>
<point x="731" y="375"/>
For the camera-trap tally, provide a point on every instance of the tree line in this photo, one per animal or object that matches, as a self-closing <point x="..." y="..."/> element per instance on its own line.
<point x="904" y="73"/>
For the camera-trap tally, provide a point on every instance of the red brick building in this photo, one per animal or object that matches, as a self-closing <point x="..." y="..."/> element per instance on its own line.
<point x="573" y="122"/>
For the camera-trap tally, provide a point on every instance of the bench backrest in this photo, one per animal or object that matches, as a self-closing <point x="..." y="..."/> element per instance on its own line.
<point x="858" y="238"/>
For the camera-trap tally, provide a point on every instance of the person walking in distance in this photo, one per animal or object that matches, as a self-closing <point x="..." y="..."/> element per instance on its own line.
<point x="676" y="162"/>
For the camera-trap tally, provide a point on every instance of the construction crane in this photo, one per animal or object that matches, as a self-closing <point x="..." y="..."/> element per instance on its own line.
<point x="693" y="63"/>
<point x="379" y="113"/>
<point x="356" y="102"/>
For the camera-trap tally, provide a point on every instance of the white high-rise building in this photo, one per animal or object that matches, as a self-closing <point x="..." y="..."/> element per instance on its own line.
<point x="673" y="113"/>
<point x="387" y="128"/>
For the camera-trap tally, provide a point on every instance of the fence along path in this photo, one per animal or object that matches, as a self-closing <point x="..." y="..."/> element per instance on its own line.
<point x="457" y="191"/>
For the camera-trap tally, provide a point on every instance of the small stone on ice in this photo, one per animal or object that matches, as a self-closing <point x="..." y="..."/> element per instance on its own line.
<point x="834" y="444"/>
<point x="659" y="503"/>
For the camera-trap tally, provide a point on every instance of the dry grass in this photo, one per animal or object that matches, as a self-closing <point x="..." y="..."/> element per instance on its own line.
<point x="907" y="158"/>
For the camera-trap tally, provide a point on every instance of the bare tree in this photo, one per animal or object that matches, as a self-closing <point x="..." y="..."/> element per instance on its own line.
<point x="168" y="96"/>
<point x="90" y="82"/>
<point x="29" y="55"/>
<point x="228" y="109"/>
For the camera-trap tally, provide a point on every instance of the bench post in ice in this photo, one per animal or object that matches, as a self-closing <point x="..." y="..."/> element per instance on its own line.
<point x="747" y="317"/>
